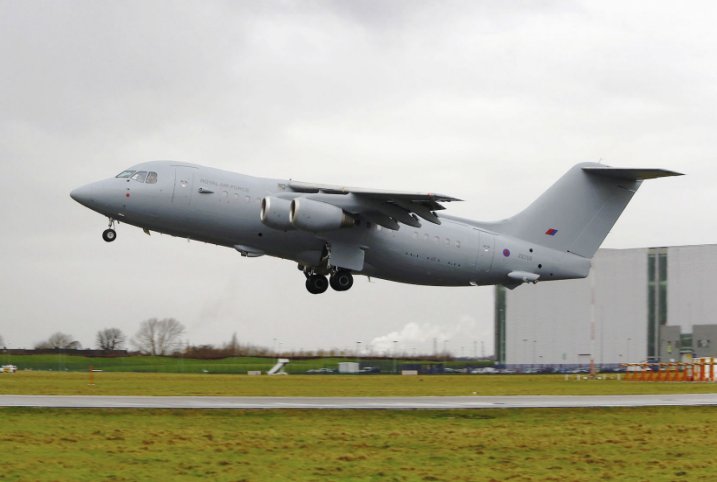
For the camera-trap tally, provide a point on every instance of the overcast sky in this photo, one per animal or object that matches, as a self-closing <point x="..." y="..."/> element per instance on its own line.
<point x="486" y="101"/>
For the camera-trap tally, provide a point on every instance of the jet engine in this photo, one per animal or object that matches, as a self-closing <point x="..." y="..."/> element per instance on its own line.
<point x="316" y="216"/>
<point x="275" y="213"/>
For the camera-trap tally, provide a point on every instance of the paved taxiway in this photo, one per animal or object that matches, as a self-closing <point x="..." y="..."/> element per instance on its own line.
<point x="360" y="403"/>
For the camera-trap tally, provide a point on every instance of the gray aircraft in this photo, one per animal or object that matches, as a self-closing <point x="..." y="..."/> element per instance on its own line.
<point x="339" y="231"/>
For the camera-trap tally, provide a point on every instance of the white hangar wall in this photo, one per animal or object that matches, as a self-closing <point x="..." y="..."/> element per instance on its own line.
<point x="636" y="291"/>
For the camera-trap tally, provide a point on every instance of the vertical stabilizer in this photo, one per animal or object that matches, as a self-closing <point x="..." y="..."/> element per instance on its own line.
<point x="577" y="212"/>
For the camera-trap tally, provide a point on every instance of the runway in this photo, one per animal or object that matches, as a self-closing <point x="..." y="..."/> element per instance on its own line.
<point x="357" y="403"/>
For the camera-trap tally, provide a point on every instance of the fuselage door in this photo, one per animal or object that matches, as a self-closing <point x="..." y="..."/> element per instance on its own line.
<point x="485" y="252"/>
<point x="183" y="185"/>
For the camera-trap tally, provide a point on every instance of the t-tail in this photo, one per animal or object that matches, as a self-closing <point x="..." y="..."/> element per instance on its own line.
<point x="577" y="212"/>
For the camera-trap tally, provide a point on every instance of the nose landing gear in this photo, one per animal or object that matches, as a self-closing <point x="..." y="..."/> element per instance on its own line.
<point x="110" y="234"/>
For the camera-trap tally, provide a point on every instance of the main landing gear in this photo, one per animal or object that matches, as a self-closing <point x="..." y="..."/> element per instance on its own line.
<point x="110" y="234"/>
<point x="340" y="280"/>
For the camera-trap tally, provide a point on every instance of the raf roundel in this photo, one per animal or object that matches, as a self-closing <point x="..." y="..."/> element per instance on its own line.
<point x="506" y="252"/>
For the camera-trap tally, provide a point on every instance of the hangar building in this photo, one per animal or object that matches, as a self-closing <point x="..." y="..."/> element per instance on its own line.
<point x="637" y="304"/>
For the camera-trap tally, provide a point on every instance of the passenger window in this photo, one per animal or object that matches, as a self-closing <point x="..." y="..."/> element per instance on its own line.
<point x="140" y="176"/>
<point x="151" y="177"/>
<point x="125" y="174"/>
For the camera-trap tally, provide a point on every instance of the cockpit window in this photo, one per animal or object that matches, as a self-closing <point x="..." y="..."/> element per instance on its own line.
<point x="125" y="174"/>
<point x="151" y="177"/>
<point x="140" y="176"/>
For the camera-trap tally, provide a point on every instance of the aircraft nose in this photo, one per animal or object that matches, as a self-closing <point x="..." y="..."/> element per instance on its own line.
<point x="83" y="195"/>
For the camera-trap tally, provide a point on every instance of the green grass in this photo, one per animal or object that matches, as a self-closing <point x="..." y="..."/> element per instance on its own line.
<point x="663" y="443"/>
<point x="113" y="383"/>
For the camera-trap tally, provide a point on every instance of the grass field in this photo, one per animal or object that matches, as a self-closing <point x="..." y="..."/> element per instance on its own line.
<point x="666" y="443"/>
<point x="111" y="383"/>
<point x="641" y="444"/>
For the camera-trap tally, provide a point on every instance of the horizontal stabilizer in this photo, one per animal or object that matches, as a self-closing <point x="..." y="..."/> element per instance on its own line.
<point x="630" y="174"/>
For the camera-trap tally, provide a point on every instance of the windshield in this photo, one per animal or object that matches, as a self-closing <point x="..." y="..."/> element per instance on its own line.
<point x="139" y="176"/>
<point x="124" y="174"/>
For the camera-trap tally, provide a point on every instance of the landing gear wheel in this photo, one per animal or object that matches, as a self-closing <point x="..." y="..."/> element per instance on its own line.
<point x="342" y="281"/>
<point x="316" y="284"/>
<point x="109" y="235"/>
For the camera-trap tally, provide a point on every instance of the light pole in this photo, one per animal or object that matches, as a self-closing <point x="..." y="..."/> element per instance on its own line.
<point x="533" y="362"/>
<point x="628" y="350"/>
<point x="525" y="352"/>
<point x="395" y="344"/>
<point x="358" y="353"/>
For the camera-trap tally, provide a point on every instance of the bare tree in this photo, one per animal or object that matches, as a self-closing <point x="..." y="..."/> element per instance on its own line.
<point x="110" y="339"/>
<point x="233" y="346"/>
<point x="60" y="340"/>
<point x="2" y="342"/>
<point x="158" y="337"/>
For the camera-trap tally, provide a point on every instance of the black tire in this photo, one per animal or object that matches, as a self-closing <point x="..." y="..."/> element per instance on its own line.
<point x="109" y="235"/>
<point x="316" y="284"/>
<point x="342" y="281"/>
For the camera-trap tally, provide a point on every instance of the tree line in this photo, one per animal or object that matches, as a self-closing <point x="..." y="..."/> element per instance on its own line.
<point x="162" y="337"/>
<point x="154" y="337"/>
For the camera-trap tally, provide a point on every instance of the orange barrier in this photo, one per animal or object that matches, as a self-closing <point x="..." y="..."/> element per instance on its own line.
<point x="699" y="370"/>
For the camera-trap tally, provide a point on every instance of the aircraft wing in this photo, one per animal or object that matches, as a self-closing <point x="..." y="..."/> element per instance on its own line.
<point x="386" y="208"/>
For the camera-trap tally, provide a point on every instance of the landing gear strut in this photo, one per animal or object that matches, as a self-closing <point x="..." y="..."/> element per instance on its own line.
<point x="110" y="234"/>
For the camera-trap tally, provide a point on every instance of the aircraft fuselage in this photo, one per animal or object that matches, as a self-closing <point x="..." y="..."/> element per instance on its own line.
<point x="224" y="208"/>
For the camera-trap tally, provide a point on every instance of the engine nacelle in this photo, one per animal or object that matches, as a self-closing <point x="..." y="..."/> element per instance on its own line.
<point x="316" y="217"/>
<point x="275" y="213"/>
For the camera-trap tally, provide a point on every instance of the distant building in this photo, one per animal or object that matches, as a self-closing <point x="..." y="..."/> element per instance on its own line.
<point x="636" y="304"/>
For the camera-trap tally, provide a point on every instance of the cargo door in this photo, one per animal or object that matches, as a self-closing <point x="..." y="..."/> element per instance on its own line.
<point x="486" y="244"/>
